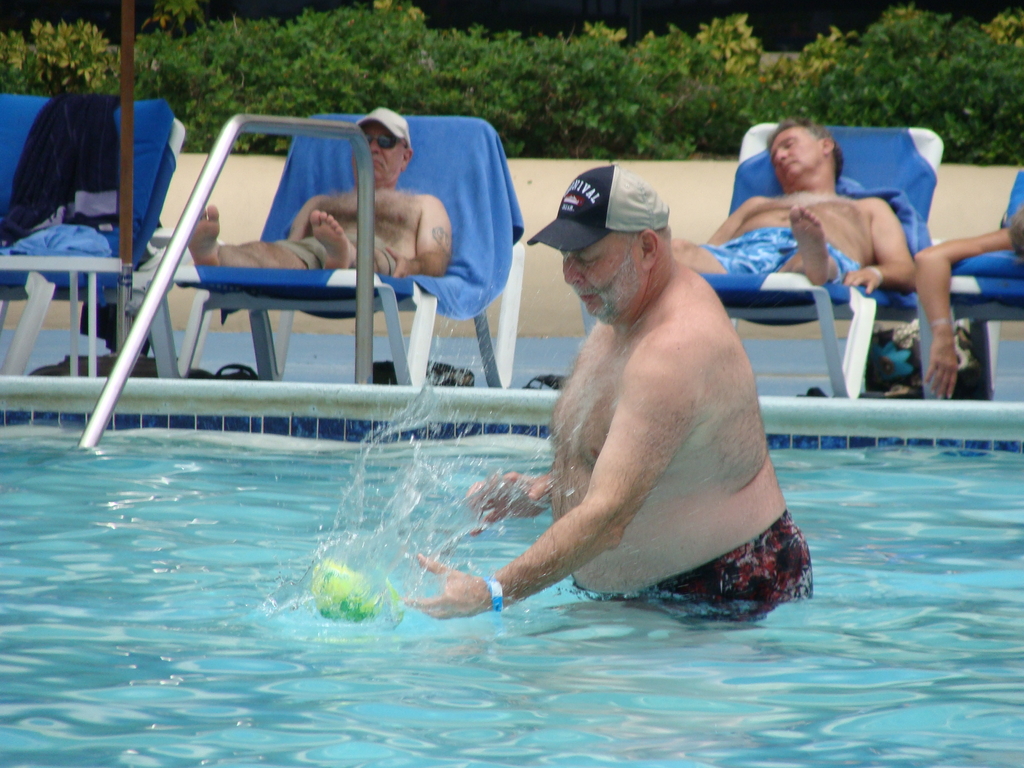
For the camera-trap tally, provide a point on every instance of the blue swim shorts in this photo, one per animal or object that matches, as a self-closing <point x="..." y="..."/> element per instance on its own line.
<point x="765" y="250"/>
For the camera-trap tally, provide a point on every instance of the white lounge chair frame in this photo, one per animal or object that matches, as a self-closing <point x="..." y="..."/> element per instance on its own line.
<point x="410" y="355"/>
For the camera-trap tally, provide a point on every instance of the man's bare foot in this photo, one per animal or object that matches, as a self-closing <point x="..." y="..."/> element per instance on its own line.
<point x="204" y="246"/>
<point x="811" y="245"/>
<point x="341" y="254"/>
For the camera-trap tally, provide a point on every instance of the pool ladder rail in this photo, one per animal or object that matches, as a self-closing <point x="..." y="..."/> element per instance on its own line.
<point x="154" y="308"/>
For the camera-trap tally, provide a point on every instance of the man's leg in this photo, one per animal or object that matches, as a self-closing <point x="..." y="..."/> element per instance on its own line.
<point x="696" y="258"/>
<point x="206" y="251"/>
<point x="812" y="257"/>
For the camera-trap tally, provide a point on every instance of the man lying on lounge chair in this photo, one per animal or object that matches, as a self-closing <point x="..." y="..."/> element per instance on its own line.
<point x="413" y="232"/>
<point x="809" y="229"/>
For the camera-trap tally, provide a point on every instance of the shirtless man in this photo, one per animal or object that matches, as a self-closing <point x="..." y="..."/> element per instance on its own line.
<point x="413" y="232"/>
<point x="661" y="486"/>
<point x="810" y="229"/>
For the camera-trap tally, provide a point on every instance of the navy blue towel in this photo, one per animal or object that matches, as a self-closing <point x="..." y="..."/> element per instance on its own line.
<point x="72" y="148"/>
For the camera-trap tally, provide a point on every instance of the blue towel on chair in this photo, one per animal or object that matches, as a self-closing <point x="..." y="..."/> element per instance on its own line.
<point x="70" y="154"/>
<point x="914" y="227"/>
<point x="476" y="276"/>
<point x="60" y="240"/>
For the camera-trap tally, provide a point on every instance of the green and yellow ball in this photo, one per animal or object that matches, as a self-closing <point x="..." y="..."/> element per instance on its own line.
<point x="342" y="593"/>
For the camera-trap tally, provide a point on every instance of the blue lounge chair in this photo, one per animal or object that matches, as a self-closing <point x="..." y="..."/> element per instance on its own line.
<point x="158" y="139"/>
<point x="896" y="164"/>
<point x="986" y="289"/>
<point x="461" y="161"/>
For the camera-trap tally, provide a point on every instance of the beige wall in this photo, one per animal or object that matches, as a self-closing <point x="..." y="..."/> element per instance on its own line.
<point x="968" y="200"/>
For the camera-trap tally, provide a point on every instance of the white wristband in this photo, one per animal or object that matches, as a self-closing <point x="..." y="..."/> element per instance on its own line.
<point x="941" y="321"/>
<point x="497" y="596"/>
<point x="878" y="272"/>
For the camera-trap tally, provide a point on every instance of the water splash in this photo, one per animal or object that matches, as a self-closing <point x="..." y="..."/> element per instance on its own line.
<point x="406" y="496"/>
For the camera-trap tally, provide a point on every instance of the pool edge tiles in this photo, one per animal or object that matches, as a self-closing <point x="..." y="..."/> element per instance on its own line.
<point x="320" y="411"/>
<point x="351" y="412"/>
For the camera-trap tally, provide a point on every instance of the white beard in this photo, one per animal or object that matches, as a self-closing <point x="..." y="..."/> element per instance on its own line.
<point x="619" y="290"/>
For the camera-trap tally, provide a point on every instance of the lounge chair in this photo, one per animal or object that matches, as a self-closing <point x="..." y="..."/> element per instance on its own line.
<point x="461" y="161"/>
<point x="894" y="163"/>
<point x="33" y="278"/>
<point x="985" y="289"/>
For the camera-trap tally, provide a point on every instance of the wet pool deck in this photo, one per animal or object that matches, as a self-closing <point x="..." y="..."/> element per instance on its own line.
<point x="783" y="367"/>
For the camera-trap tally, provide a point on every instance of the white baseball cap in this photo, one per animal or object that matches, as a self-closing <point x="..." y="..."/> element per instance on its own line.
<point x="394" y="122"/>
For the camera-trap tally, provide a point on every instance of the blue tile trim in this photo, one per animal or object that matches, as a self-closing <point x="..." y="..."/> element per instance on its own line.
<point x="357" y="430"/>
<point x="806" y="442"/>
<point x="127" y="420"/>
<point x="863" y="442"/>
<point x="276" y="425"/>
<point x="155" y="421"/>
<point x="443" y="431"/>
<point x="332" y="429"/>
<point x="182" y="421"/>
<point x="46" y="418"/>
<point x="304" y="426"/>
<point x="15" y="418"/>
<point x="236" y="423"/>
<point x="210" y="423"/>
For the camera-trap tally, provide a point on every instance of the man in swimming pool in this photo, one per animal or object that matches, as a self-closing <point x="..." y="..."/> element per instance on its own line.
<point x="413" y="232"/>
<point x="661" y="485"/>
<point x="809" y="229"/>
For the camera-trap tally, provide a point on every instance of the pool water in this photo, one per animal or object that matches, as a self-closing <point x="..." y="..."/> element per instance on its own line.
<point x="154" y="611"/>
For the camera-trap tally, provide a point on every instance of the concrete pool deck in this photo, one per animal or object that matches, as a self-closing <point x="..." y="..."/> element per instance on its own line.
<point x="784" y="367"/>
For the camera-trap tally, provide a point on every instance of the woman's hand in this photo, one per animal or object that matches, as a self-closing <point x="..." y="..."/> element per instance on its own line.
<point x="942" y="362"/>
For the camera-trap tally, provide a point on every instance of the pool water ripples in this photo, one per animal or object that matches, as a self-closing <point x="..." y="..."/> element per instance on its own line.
<point x="154" y="611"/>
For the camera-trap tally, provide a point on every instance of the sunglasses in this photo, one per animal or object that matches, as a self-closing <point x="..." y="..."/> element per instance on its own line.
<point x="383" y="141"/>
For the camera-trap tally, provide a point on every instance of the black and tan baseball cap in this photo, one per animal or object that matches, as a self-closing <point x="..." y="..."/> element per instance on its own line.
<point x="599" y="202"/>
<point x="394" y="122"/>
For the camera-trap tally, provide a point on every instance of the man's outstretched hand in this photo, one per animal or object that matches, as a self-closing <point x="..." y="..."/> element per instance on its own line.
<point x="510" y="495"/>
<point x="463" y="595"/>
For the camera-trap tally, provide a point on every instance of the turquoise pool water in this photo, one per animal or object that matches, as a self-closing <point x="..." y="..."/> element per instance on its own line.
<point x="154" y="612"/>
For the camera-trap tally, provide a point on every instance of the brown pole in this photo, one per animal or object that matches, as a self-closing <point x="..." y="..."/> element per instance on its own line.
<point x="125" y="197"/>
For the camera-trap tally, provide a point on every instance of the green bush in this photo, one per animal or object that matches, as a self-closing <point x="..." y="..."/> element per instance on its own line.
<point x="918" y="68"/>
<point x="68" y="58"/>
<point x="588" y="95"/>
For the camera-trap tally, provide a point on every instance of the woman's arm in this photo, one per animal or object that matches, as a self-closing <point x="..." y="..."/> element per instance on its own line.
<point x="934" y="268"/>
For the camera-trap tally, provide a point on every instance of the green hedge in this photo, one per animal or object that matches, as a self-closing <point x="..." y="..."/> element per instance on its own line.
<point x="670" y="96"/>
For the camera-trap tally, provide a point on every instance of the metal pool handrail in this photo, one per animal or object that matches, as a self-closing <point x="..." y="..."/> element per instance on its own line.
<point x="162" y="279"/>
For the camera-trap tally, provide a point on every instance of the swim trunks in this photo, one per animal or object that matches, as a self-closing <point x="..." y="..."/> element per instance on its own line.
<point x="748" y="582"/>
<point x="312" y="253"/>
<point x="773" y="568"/>
<point x="765" y="250"/>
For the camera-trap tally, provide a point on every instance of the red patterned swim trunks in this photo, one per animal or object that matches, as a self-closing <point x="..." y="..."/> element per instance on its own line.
<point x="746" y="583"/>
<point x="774" y="568"/>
